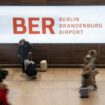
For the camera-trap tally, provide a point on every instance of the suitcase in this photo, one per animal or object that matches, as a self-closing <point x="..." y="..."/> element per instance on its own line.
<point x="84" y="93"/>
<point x="43" y="65"/>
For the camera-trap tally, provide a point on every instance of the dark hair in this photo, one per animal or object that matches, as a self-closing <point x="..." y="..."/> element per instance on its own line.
<point x="22" y="40"/>
<point x="3" y="74"/>
<point x="92" y="53"/>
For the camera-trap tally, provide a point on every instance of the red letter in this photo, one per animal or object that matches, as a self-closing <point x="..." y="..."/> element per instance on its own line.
<point x="16" y="25"/>
<point x="31" y="26"/>
<point x="50" y="26"/>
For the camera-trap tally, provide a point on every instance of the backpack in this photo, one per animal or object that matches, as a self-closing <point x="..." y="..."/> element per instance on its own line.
<point x="30" y="69"/>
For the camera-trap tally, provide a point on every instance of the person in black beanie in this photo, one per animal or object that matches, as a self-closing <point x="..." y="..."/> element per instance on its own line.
<point x="3" y="74"/>
<point x="24" y="49"/>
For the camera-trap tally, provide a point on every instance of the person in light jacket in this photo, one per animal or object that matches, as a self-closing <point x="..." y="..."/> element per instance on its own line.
<point x="87" y="72"/>
<point x="93" y="54"/>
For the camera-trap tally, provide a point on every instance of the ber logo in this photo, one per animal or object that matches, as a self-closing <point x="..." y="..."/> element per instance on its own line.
<point x="33" y="23"/>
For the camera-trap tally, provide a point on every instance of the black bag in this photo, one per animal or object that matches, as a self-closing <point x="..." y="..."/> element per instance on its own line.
<point x="31" y="70"/>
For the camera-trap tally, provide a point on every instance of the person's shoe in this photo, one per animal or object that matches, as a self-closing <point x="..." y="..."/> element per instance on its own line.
<point x="33" y="77"/>
<point x="84" y="96"/>
<point x="95" y="87"/>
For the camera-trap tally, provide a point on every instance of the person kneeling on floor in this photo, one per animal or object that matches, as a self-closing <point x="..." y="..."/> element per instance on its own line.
<point x="30" y="68"/>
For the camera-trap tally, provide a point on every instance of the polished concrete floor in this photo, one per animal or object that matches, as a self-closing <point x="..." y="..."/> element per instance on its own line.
<point x="57" y="86"/>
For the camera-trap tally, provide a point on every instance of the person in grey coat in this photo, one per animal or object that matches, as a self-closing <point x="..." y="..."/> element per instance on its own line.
<point x="88" y="76"/>
<point x="93" y="54"/>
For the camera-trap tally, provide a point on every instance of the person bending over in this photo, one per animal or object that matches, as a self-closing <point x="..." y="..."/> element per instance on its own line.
<point x="24" y="49"/>
<point x="30" y="68"/>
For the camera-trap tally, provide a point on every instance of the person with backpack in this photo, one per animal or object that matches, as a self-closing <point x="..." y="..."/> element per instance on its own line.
<point x="30" y="68"/>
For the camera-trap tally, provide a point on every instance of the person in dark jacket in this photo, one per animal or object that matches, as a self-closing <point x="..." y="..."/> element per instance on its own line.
<point x="30" y="68"/>
<point x="3" y="74"/>
<point x="3" y="94"/>
<point x="24" y="49"/>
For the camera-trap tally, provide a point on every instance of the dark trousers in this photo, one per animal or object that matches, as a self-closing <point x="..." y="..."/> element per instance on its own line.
<point x="22" y="63"/>
<point x="23" y="68"/>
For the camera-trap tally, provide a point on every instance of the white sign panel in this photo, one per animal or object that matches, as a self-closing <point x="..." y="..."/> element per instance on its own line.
<point x="52" y="24"/>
